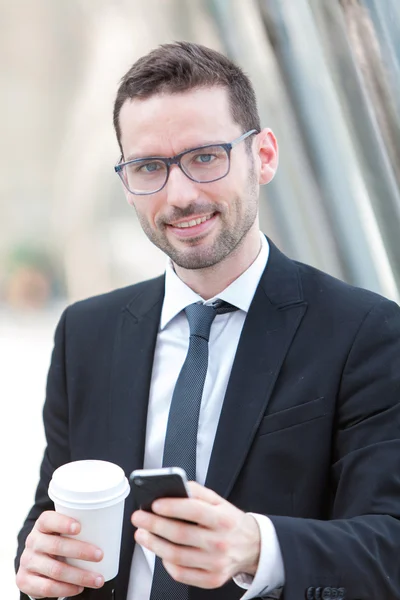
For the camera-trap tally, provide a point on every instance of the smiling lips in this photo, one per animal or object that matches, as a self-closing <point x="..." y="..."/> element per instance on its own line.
<point x="192" y="222"/>
<point x="193" y="228"/>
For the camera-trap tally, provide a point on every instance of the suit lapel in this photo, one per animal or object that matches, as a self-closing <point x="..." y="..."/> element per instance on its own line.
<point x="273" y="318"/>
<point x="132" y="366"/>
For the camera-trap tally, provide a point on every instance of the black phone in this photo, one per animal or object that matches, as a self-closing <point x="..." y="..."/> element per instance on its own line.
<point x="150" y="484"/>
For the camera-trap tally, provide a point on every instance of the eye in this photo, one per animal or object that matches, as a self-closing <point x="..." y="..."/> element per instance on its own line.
<point x="204" y="158"/>
<point x="150" y="167"/>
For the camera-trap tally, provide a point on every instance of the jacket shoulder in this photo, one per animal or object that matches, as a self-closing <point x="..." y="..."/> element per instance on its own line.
<point x="326" y="289"/>
<point x="112" y="303"/>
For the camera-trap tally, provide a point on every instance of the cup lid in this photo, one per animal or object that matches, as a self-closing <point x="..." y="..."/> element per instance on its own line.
<point x="88" y="482"/>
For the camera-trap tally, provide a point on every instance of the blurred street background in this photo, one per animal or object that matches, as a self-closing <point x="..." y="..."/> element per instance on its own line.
<point x="327" y="77"/>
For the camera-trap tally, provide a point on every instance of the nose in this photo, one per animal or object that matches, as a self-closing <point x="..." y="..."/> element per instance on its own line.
<point x="181" y="191"/>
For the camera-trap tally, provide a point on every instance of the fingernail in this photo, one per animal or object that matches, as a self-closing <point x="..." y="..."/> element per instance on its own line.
<point x="74" y="528"/>
<point x="98" y="581"/>
<point x="80" y="590"/>
<point x="98" y="554"/>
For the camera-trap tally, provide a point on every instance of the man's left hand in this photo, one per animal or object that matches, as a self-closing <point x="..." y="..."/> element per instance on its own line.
<point x="220" y="541"/>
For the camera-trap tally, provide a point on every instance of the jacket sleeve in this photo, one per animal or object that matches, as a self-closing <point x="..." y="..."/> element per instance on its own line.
<point x="55" y="418"/>
<point x="358" y="547"/>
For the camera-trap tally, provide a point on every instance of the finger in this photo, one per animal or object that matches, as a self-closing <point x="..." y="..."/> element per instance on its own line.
<point x="58" y="545"/>
<point x="202" y="493"/>
<point x="184" y="556"/>
<point x="41" y="587"/>
<point x="196" y="577"/>
<point x="193" y="510"/>
<point x="52" y="522"/>
<point x="57" y="570"/>
<point x="175" y="531"/>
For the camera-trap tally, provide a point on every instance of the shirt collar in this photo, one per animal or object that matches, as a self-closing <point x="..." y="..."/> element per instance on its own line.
<point x="239" y="293"/>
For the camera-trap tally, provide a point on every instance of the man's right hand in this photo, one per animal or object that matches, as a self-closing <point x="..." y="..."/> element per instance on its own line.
<point x="43" y="572"/>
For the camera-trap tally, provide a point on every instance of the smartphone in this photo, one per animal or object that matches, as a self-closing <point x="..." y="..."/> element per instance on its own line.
<point x="150" y="484"/>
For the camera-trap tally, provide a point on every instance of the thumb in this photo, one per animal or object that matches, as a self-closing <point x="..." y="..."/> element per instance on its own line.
<point x="202" y="493"/>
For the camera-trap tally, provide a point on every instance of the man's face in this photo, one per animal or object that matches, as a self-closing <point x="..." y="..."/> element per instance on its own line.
<point x="166" y="125"/>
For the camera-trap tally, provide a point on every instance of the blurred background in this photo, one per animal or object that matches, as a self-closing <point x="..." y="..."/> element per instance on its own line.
<point x="327" y="77"/>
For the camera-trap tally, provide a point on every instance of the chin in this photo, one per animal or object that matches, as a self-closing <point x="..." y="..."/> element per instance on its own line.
<point x="203" y="259"/>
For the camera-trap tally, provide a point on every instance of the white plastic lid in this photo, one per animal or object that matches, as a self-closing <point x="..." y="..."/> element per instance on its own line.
<point x="88" y="484"/>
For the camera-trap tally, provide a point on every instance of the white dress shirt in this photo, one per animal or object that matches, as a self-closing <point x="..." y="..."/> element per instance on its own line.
<point x="170" y="353"/>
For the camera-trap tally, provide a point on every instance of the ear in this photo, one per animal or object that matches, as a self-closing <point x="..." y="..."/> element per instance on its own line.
<point x="129" y="197"/>
<point x="268" y="155"/>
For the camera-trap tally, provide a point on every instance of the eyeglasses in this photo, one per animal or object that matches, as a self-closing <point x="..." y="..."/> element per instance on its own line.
<point x="205" y="164"/>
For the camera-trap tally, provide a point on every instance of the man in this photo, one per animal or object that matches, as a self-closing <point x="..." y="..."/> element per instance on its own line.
<point x="297" y="450"/>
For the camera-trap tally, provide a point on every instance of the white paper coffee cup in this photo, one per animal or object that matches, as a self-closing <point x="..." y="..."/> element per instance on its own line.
<point x="93" y="492"/>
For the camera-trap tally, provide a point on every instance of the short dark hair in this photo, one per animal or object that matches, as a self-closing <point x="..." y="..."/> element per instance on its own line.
<point x="183" y="66"/>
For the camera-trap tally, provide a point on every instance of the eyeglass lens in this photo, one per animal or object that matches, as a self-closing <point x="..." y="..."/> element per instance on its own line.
<point x="203" y="165"/>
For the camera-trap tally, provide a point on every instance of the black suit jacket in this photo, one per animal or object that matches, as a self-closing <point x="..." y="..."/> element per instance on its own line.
<point x="309" y="432"/>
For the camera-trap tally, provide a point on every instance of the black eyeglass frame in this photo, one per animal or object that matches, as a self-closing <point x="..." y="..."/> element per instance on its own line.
<point x="176" y="160"/>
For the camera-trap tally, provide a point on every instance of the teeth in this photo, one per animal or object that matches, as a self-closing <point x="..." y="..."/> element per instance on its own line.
<point x="193" y="222"/>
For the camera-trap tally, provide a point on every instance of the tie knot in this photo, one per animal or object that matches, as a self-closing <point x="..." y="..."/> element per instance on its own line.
<point x="201" y="316"/>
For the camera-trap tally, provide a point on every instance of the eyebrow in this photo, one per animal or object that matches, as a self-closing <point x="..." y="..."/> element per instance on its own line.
<point x="186" y="149"/>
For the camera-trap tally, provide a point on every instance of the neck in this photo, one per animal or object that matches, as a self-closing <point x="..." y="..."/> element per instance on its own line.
<point x="211" y="281"/>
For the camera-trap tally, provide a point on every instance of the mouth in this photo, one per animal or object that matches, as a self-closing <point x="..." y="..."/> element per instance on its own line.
<point x="192" y="222"/>
<point x="194" y="226"/>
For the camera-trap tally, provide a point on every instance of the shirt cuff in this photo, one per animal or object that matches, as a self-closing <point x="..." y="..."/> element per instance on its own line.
<point x="270" y="575"/>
